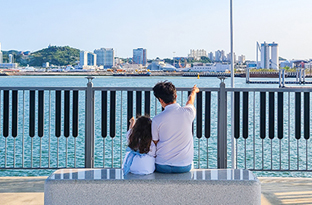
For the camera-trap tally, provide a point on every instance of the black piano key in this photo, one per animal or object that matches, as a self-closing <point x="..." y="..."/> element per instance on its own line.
<point x="271" y="114"/>
<point x="280" y="115"/>
<point x="6" y="109"/>
<point x="40" y="113"/>
<point x="236" y="114"/>
<point x="32" y="111"/>
<point x="245" y="114"/>
<point x="298" y="115"/>
<point x="129" y="107"/>
<point x="208" y="114"/>
<point x="66" y="112"/>
<point x="199" y="115"/>
<point x="112" y="123"/>
<point x="58" y="107"/>
<point x="147" y="103"/>
<point x="306" y="114"/>
<point x="75" y="113"/>
<point x="262" y="115"/>
<point x="104" y="114"/>
<point x="138" y="107"/>
<point x="14" y="112"/>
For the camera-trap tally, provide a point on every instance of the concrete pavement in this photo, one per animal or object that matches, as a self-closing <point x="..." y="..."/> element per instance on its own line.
<point x="275" y="190"/>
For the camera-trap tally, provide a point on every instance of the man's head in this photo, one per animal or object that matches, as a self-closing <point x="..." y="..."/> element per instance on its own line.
<point x="165" y="91"/>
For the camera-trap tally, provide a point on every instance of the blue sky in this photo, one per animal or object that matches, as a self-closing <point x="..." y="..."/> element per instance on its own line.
<point x="162" y="27"/>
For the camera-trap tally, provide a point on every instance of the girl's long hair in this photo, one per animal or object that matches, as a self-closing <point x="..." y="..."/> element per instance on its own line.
<point x="141" y="135"/>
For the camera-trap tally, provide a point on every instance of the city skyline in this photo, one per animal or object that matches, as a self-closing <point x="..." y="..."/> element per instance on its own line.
<point x="161" y="27"/>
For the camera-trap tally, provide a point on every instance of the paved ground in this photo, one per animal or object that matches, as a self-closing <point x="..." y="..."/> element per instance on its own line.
<point x="29" y="190"/>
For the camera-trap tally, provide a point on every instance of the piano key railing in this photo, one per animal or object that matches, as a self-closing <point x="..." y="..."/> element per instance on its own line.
<point x="59" y="127"/>
<point x="272" y="128"/>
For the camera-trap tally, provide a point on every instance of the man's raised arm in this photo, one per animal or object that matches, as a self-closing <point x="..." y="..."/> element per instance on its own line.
<point x="192" y="96"/>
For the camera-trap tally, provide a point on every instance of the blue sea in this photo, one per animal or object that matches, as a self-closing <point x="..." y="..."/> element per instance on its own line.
<point x="111" y="147"/>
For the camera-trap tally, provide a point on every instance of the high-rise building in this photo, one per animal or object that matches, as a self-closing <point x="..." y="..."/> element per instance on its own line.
<point x="91" y="59"/>
<point x="269" y="56"/>
<point x="196" y="54"/>
<point x="105" y="57"/>
<point x="11" y="59"/>
<point x="87" y="59"/>
<point x="83" y="58"/>
<point x="241" y="59"/>
<point x="1" y="56"/>
<point x="223" y="56"/>
<point x="210" y="56"/>
<point x="218" y="56"/>
<point x="274" y="62"/>
<point x="139" y="56"/>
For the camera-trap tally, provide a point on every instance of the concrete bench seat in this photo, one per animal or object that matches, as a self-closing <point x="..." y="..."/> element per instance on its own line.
<point x="110" y="186"/>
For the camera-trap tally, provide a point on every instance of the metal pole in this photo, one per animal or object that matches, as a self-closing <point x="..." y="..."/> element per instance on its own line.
<point x="222" y="126"/>
<point x="89" y="125"/>
<point x="233" y="156"/>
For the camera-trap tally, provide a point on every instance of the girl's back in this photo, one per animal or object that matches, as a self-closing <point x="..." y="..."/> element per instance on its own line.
<point x="141" y="151"/>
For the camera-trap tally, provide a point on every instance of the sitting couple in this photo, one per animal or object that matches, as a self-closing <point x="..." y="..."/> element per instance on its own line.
<point x="165" y="144"/>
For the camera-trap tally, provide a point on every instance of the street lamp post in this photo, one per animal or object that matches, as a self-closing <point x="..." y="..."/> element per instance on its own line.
<point x="233" y="156"/>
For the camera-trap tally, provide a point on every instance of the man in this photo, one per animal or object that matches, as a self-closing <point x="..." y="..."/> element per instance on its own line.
<point x="172" y="130"/>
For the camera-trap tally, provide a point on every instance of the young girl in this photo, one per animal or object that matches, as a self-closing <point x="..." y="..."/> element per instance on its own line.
<point x="140" y="156"/>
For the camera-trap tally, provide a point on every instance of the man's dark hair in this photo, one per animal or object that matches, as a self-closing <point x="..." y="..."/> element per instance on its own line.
<point x="166" y="91"/>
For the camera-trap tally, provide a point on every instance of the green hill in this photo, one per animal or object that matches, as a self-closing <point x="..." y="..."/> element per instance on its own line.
<point x="56" y="55"/>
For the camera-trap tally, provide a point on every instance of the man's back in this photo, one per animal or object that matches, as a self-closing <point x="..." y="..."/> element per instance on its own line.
<point x="173" y="130"/>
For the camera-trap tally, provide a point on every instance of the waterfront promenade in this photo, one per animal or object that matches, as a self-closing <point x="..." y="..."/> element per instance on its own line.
<point x="275" y="190"/>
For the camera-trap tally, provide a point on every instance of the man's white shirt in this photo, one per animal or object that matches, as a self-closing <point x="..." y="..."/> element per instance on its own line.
<point x="172" y="128"/>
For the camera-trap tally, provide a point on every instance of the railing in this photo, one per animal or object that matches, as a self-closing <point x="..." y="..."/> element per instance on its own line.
<point x="59" y="127"/>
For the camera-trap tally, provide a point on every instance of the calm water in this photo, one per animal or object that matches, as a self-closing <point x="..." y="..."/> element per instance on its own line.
<point x="118" y="82"/>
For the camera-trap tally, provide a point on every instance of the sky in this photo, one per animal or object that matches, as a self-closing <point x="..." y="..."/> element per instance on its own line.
<point x="166" y="28"/>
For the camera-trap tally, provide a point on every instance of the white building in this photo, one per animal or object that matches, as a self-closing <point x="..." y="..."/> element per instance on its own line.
<point x="217" y="67"/>
<point x="91" y="59"/>
<point x="218" y="56"/>
<point x="223" y="57"/>
<point x="241" y="59"/>
<point x="139" y="56"/>
<point x="196" y="54"/>
<point x="11" y="58"/>
<point x="87" y="59"/>
<point x="269" y="56"/>
<point x="210" y="56"/>
<point x="83" y="58"/>
<point x="105" y="57"/>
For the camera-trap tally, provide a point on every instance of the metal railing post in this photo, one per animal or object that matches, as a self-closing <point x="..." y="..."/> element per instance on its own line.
<point x="89" y="125"/>
<point x="222" y="126"/>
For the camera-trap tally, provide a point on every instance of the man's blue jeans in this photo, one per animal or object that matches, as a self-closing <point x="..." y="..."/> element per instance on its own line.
<point x="172" y="169"/>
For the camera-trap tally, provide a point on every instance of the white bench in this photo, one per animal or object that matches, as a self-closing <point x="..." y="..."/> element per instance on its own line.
<point x="109" y="186"/>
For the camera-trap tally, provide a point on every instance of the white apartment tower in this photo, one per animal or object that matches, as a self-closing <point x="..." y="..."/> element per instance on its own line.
<point x="218" y="56"/>
<point x="83" y="58"/>
<point x="269" y="56"/>
<point x="11" y="59"/>
<point x="139" y="56"/>
<point x="196" y="54"/>
<point x="105" y="57"/>
<point x="210" y="56"/>
<point x="87" y="59"/>
<point x="241" y="59"/>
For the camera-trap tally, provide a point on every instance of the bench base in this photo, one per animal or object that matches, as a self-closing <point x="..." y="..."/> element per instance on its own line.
<point x="194" y="187"/>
